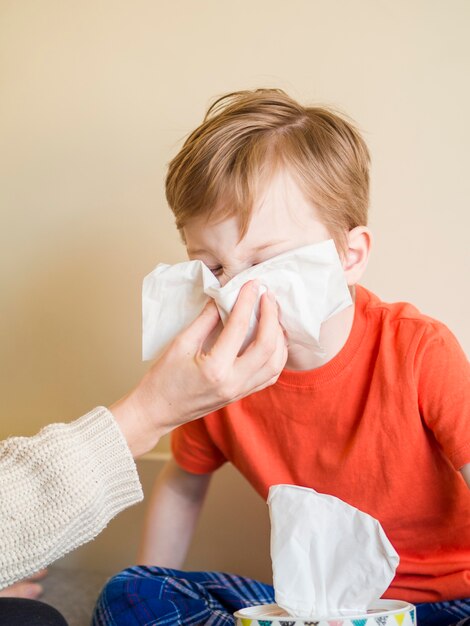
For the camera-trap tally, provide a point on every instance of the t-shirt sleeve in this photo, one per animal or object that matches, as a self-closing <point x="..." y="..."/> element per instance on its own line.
<point x="194" y="449"/>
<point x="443" y="377"/>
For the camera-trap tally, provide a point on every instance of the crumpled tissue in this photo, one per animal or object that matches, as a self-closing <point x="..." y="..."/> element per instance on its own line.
<point x="328" y="557"/>
<point x="308" y="283"/>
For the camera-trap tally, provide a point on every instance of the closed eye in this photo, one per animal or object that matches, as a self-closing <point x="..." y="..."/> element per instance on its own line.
<point x="217" y="271"/>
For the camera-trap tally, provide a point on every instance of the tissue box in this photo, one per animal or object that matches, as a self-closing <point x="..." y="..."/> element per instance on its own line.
<point x="380" y="613"/>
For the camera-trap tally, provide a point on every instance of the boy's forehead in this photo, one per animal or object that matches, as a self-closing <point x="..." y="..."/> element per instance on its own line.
<point x="281" y="214"/>
<point x="216" y="245"/>
<point x="205" y="235"/>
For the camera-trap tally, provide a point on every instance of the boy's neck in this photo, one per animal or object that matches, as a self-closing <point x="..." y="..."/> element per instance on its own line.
<point x="334" y="334"/>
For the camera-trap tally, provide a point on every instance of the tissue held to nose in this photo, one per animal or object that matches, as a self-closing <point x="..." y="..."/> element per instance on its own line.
<point x="328" y="557"/>
<point x="308" y="283"/>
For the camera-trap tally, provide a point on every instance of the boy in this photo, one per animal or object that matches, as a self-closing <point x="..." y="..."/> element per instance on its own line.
<point x="380" y="419"/>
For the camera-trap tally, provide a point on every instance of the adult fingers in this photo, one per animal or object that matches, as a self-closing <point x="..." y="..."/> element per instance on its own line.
<point x="269" y="371"/>
<point x="22" y="589"/>
<point x="42" y="573"/>
<point x="231" y="339"/>
<point x="268" y="335"/>
<point x="198" y="331"/>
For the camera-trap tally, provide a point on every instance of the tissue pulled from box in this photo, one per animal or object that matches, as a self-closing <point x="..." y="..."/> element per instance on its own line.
<point x="308" y="283"/>
<point x="328" y="557"/>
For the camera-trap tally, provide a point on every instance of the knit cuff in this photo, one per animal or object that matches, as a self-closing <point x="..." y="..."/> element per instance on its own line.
<point x="109" y="453"/>
<point x="60" y="488"/>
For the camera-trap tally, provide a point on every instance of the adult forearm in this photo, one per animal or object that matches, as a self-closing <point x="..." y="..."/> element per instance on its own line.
<point x="59" y="489"/>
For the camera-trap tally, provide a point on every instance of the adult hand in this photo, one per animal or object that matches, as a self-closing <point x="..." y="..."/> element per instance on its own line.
<point x="186" y="383"/>
<point x="27" y="588"/>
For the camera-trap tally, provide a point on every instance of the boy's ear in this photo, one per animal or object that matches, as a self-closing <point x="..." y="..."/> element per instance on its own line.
<point x="355" y="260"/>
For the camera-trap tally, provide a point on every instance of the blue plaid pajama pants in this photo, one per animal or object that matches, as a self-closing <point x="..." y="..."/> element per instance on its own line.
<point x="154" y="596"/>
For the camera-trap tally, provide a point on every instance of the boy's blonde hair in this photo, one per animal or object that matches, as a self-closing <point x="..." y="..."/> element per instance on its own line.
<point x="246" y="137"/>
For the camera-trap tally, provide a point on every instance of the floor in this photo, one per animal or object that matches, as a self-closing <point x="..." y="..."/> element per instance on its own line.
<point x="73" y="593"/>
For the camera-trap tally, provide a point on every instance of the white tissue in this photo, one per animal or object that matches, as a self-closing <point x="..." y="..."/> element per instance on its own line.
<point x="328" y="557"/>
<point x="308" y="283"/>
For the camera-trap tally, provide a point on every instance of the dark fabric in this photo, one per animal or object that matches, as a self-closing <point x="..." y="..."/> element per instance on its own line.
<point x="158" y="596"/>
<point x="144" y="596"/>
<point x="444" y="613"/>
<point x="22" y="612"/>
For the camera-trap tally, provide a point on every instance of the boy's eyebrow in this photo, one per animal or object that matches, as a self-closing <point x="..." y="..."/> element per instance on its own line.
<point x="256" y="249"/>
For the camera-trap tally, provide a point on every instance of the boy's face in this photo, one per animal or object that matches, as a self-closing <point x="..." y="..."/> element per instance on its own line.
<point x="283" y="219"/>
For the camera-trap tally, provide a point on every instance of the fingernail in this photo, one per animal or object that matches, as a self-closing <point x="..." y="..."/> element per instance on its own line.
<point x="255" y="286"/>
<point x="270" y="295"/>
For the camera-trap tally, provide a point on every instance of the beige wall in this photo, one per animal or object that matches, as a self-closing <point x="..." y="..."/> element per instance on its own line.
<point x="95" y="98"/>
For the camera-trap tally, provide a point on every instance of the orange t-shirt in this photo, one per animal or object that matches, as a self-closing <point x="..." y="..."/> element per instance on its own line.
<point x="384" y="426"/>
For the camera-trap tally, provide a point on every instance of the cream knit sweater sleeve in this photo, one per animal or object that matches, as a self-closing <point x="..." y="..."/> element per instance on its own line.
<point x="59" y="489"/>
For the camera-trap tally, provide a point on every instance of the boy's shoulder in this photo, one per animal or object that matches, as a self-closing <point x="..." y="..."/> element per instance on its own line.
<point x="403" y="319"/>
